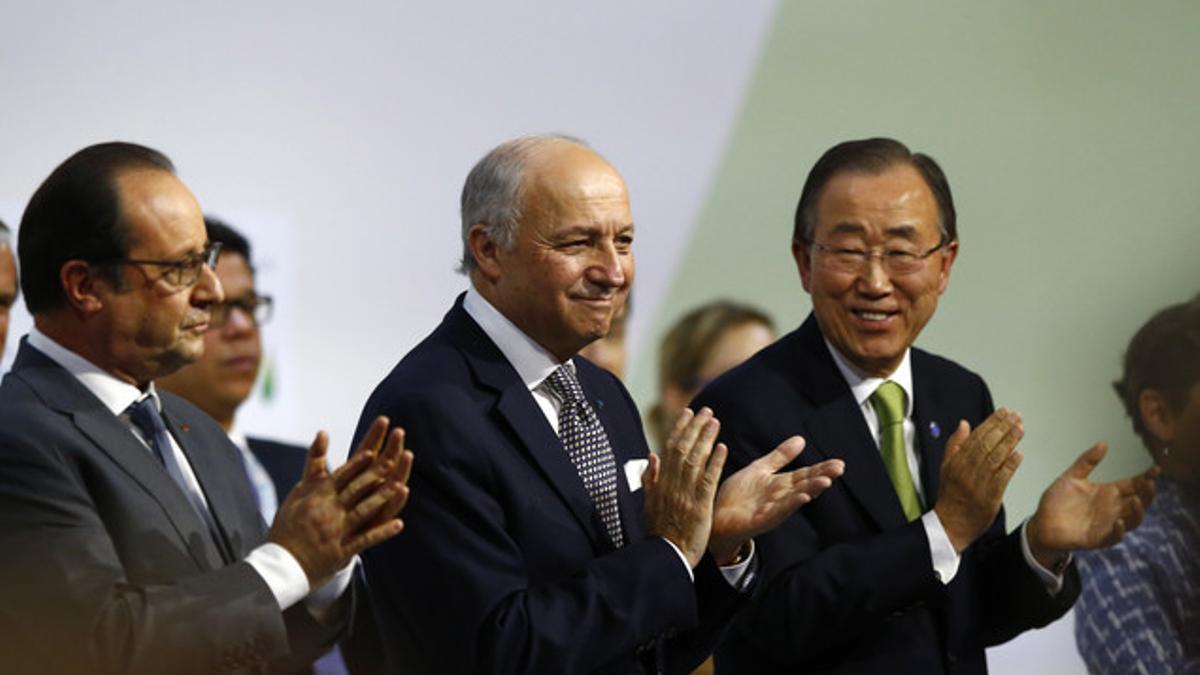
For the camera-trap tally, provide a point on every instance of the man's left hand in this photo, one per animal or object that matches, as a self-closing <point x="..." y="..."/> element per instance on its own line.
<point x="1076" y="514"/>
<point x="758" y="498"/>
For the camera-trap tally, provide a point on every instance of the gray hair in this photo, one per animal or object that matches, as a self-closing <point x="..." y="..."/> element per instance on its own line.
<point x="493" y="194"/>
<point x="5" y="237"/>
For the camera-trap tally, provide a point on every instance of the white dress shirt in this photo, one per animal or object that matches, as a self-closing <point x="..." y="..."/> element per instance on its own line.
<point x="277" y="567"/>
<point x="260" y="478"/>
<point x="534" y="365"/>
<point x="941" y="551"/>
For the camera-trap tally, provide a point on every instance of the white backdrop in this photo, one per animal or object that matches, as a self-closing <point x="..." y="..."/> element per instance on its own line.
<point x="354" y="130"/>
<point x="338" y="139"/>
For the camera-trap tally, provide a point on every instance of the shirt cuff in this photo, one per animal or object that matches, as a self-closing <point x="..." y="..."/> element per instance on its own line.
<point x="1052" y="580"/>
<point x="941" y="551"/>
<point x="682" y="558"/>
<point x="283" y="575"/>
<point x="740" y="574"/>
<point x="321" y="601"/>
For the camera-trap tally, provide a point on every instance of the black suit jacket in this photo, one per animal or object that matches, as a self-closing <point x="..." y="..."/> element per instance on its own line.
<point x="850" y="584"/>
<point x="106" y="566"/>
<point x="504" y="566"/>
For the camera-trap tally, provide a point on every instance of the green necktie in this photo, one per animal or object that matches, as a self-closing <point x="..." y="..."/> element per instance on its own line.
<point x="888" y="401"/>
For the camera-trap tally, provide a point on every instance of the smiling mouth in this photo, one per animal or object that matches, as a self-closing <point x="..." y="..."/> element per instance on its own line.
<point x="873" y="316"/>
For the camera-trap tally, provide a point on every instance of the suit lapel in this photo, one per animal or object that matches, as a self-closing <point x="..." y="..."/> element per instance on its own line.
<point x="624" y="449"/>
<point x="836" y="426"/>
<point x="216" y="483"/>
<point x="60" y="391"/>
<point x="933" y="428"/>
<point x="519" y="410"/>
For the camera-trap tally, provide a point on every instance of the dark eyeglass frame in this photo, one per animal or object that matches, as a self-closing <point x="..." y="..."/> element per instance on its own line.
<point x="908" y="262"/>
<point x="179" y="273"/>
<point x="259" y="308"/>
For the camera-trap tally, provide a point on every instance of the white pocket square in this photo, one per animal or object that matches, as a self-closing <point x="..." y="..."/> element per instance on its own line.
<point x="634" y="469"/>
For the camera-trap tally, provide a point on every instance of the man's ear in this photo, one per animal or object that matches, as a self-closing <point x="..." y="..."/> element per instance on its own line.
<point x="803" y="261"/>
<point x="948" y="255"/>
<point x="79" y="283"/>
<point x="1156" y="414"/>
<point x="485" y="252"/>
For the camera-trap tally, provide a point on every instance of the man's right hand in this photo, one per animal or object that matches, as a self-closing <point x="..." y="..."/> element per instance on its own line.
<point x="681" y="484"/>
<point x="976" y="470"/>
<point x="328" y="518"/>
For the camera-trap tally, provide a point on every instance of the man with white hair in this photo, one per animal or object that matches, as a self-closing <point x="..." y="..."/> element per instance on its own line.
<point x="537" y="545"/>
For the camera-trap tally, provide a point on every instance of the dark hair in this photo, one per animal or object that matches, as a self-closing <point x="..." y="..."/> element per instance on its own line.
<point x="872" y="156"/>
<point x="76" y="215"/>
<point x="231" y="241"/>
<point x="1164" y="355"/>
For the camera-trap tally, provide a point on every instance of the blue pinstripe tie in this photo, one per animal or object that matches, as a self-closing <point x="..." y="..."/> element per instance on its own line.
<point x="587" y="444"/>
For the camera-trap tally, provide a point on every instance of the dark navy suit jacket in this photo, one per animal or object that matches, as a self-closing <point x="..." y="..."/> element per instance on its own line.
<point x="849" y="585"/>
<point x="504" y="566"/>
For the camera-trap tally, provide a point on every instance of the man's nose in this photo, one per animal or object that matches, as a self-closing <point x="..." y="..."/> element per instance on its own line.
<point x="873" y="278"/>
<point x="608" y="268"/>
<point x="238" y="321"/>
<point x="208" y="288"/>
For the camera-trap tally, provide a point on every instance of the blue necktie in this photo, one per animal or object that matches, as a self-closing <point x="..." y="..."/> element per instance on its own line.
<point x="145" y="416"/>
<point x="586" y="443"/>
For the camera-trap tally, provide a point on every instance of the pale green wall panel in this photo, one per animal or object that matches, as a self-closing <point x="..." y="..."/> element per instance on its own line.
<point x="1069" y="133"/>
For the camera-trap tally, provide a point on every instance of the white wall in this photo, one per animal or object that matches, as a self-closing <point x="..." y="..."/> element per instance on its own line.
<point x="344" y="136"/>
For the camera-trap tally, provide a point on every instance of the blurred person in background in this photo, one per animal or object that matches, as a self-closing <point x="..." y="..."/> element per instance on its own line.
<point x="702" y="344"/>
<point x="1139" y="610"/>
<point x="221" y="380"/>
<point x="8" y="282"/>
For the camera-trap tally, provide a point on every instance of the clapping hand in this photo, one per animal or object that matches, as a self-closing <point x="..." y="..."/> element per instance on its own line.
<point x="328" y="518"/>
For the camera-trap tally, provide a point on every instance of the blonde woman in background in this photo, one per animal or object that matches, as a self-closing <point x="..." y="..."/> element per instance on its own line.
<point x="701" y="345"/>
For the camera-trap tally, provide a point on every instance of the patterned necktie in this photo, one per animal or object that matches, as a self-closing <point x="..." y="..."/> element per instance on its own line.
<point x="587" y="445"/>
<point x="145" y="416"/>
<point x="888" y="401"/>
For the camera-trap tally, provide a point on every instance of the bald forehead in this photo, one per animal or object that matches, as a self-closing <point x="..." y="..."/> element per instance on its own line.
<point x="560" y="169"/>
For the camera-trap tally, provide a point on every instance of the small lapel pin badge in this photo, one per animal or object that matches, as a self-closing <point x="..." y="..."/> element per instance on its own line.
<point x="935" y="430"/>
<point x="185" y="427"/>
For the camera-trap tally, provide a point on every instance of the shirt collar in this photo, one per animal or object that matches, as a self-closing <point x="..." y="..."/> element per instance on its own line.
<point x="532" y="363"/>
<point x="239" y="439"/>
<point x="863" y="385"/>
<point x="116" y="395"/>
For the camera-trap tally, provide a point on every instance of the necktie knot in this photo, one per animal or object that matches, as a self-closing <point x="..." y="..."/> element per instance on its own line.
<point x="889" y="402"/>
<point x="145" y="416"/>
<point x="565" y="385"/>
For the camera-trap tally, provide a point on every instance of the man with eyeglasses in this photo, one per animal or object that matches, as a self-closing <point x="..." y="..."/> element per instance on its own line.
<point x="904" y="566"/>
<point x="131" y="539"/>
